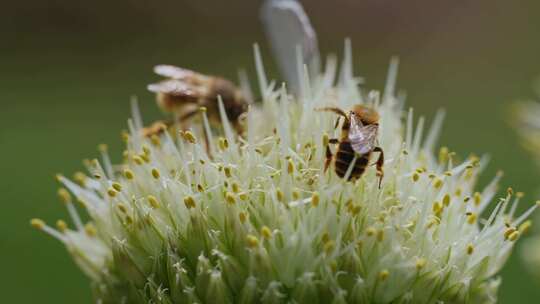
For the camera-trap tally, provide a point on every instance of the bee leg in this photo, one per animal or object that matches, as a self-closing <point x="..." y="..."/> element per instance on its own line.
<point x="379" y="164"/>
<point x="329" y="154"/>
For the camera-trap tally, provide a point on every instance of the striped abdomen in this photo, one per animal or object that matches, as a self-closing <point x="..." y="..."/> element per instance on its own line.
<point x="343" y="158"/>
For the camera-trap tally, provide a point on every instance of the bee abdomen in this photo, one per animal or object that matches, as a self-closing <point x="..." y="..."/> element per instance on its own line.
<point x="344" y="157"/>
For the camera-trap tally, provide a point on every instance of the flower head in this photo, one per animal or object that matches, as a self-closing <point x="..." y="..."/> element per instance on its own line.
<point x="258" y="219"/>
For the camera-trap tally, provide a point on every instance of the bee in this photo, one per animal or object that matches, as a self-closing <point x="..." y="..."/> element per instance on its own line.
<point x="184" y="92"/>
<point x="358" y="140"/>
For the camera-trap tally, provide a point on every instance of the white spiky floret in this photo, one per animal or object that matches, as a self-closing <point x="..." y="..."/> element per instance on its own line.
<point x="260" y="222"/>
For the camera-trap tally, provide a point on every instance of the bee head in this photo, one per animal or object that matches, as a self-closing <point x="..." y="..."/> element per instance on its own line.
<point x="366" y="115"/>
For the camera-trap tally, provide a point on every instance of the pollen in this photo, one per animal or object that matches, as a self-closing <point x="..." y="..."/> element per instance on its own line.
<point x="80" y="178"/>
<point x="189" y="137"/>
<point x="513" y="236"/>
<point x="230" y="198"/>
<point x="279" y="195"/>
<point x="111" y="192"/>
<point x="90" y="230"/>
<point x="420" y="263"/>
<point x="122" y="207"/>
<point x="315" y="198"/>
<point x="329" y="247"/>
<point x="266" y="232"/>
<point x="155" y="173"/>
<point x="242" y="216"/>
<point x="37" y="223"/>
<point x="437" y="183"/>
<point x="153" y="202"/>
<point x="290" y="166"/>
<point x="525" y="227"/>
<point x="61" y="225"/>
<point x="117" y="186"/>
<point x="446" y="200"/>
<point x="415" y="176"/>
<point x="477" y="198"/>
<point x="64" y="195"/>
<point x="235" y="187"/>
<point x="103" y="148"/>
<point x="154" y="139"/>
<point x="128" y="174"/>
<point x="223" y="143"/>
<point x="370" y="231"/>
<point x="189" y="202"/>
<point x="228" y="171"/>
<point x="470" y="249"/>
<point x="252" y="241"/>
<point x="383" y="275"/>
<point x="471" y="218"/>
<point x="138" y="160"/>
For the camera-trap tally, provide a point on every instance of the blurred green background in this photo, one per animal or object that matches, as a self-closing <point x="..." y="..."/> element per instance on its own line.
<point x="67" y="70"/>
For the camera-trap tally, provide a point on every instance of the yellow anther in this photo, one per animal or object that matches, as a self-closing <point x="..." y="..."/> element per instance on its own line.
<point x="315" y="199"/>
<point x="252" y="241"/>
<point x="508" y="232"/>
<point x="470" y="249"/>
<point x="64" y="195"/>
<point x="228" y="171"/>
<point x="380" y="235"/>
<point x="223" y="143"/>
<point x="90" y="230"/>
<point x="466" y="199"/>
<point x="437" y="207"/>
<point x="97" y="175"/>
<point x="103" y="148"/>
<point x="122" y="207"/>
<point x="61" y="225"/>
<point x="443" y="155"/>
<point x="325" y="238"/>
<point x="458" y="192"/>
<point x="431" y="176"/>
<point x="477" y="198"/>
<point x="513" y="236"/>
<point x="370" y="231"/>
<point x="538" y="203"/>
<point x="230" y="198"/>
<point x="145" y="157"/>
<point x="279" y="195"/>
<point x="242" y="216"/>
<point x="37" y="223"/>
<point x="266" y="232"/>
<point x="290" y="166"/>
<point x="447" y="173"/>
<point x="437" y="183"/>
<point x="125" y="136"/>
<point x="325" y="139"/>
<point x="510" y="191"/>
<point x="200" y="188"/>
<point x="129" y="220"/>
<point x="383" y="275"/>
<point x="128" y="174"/>
<point x="189" y="137"/>
<point x="80" y="178"/>
<point x="146" y="150"/>
<point x="202" y="109"/>
<point x="243" y="196"/>
<point x="329" y="246"/>
<point x="138" y="160"/>
<point x="525" y="227"/>
<point x="111" y="192"/>
<point x="415" y="176"/>
<point x="446" y="200"/>
<point x="155" y="173"/>
<point x="295" y="195"/>
<point x="471" y="218"/>
<point x="235" y="187"/>
<point x="404" y="152"/>
<point x="154" y="139"/>
<point x="153" y="201"/>
<point x="117" y="186"/>
<point x="189" y="201"/>
<point x="520" y="194"/>
<point x="420" y="263"/>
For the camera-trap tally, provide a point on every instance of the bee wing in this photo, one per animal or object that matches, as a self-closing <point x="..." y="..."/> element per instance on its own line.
<point x="177" y="87"/>
<point x="363" y="138"/>
<point x="174" y="72"/>
<point x="287" y="26"/>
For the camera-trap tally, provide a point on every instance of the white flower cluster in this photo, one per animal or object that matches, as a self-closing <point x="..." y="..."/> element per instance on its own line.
<point x="260" y="222"/>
